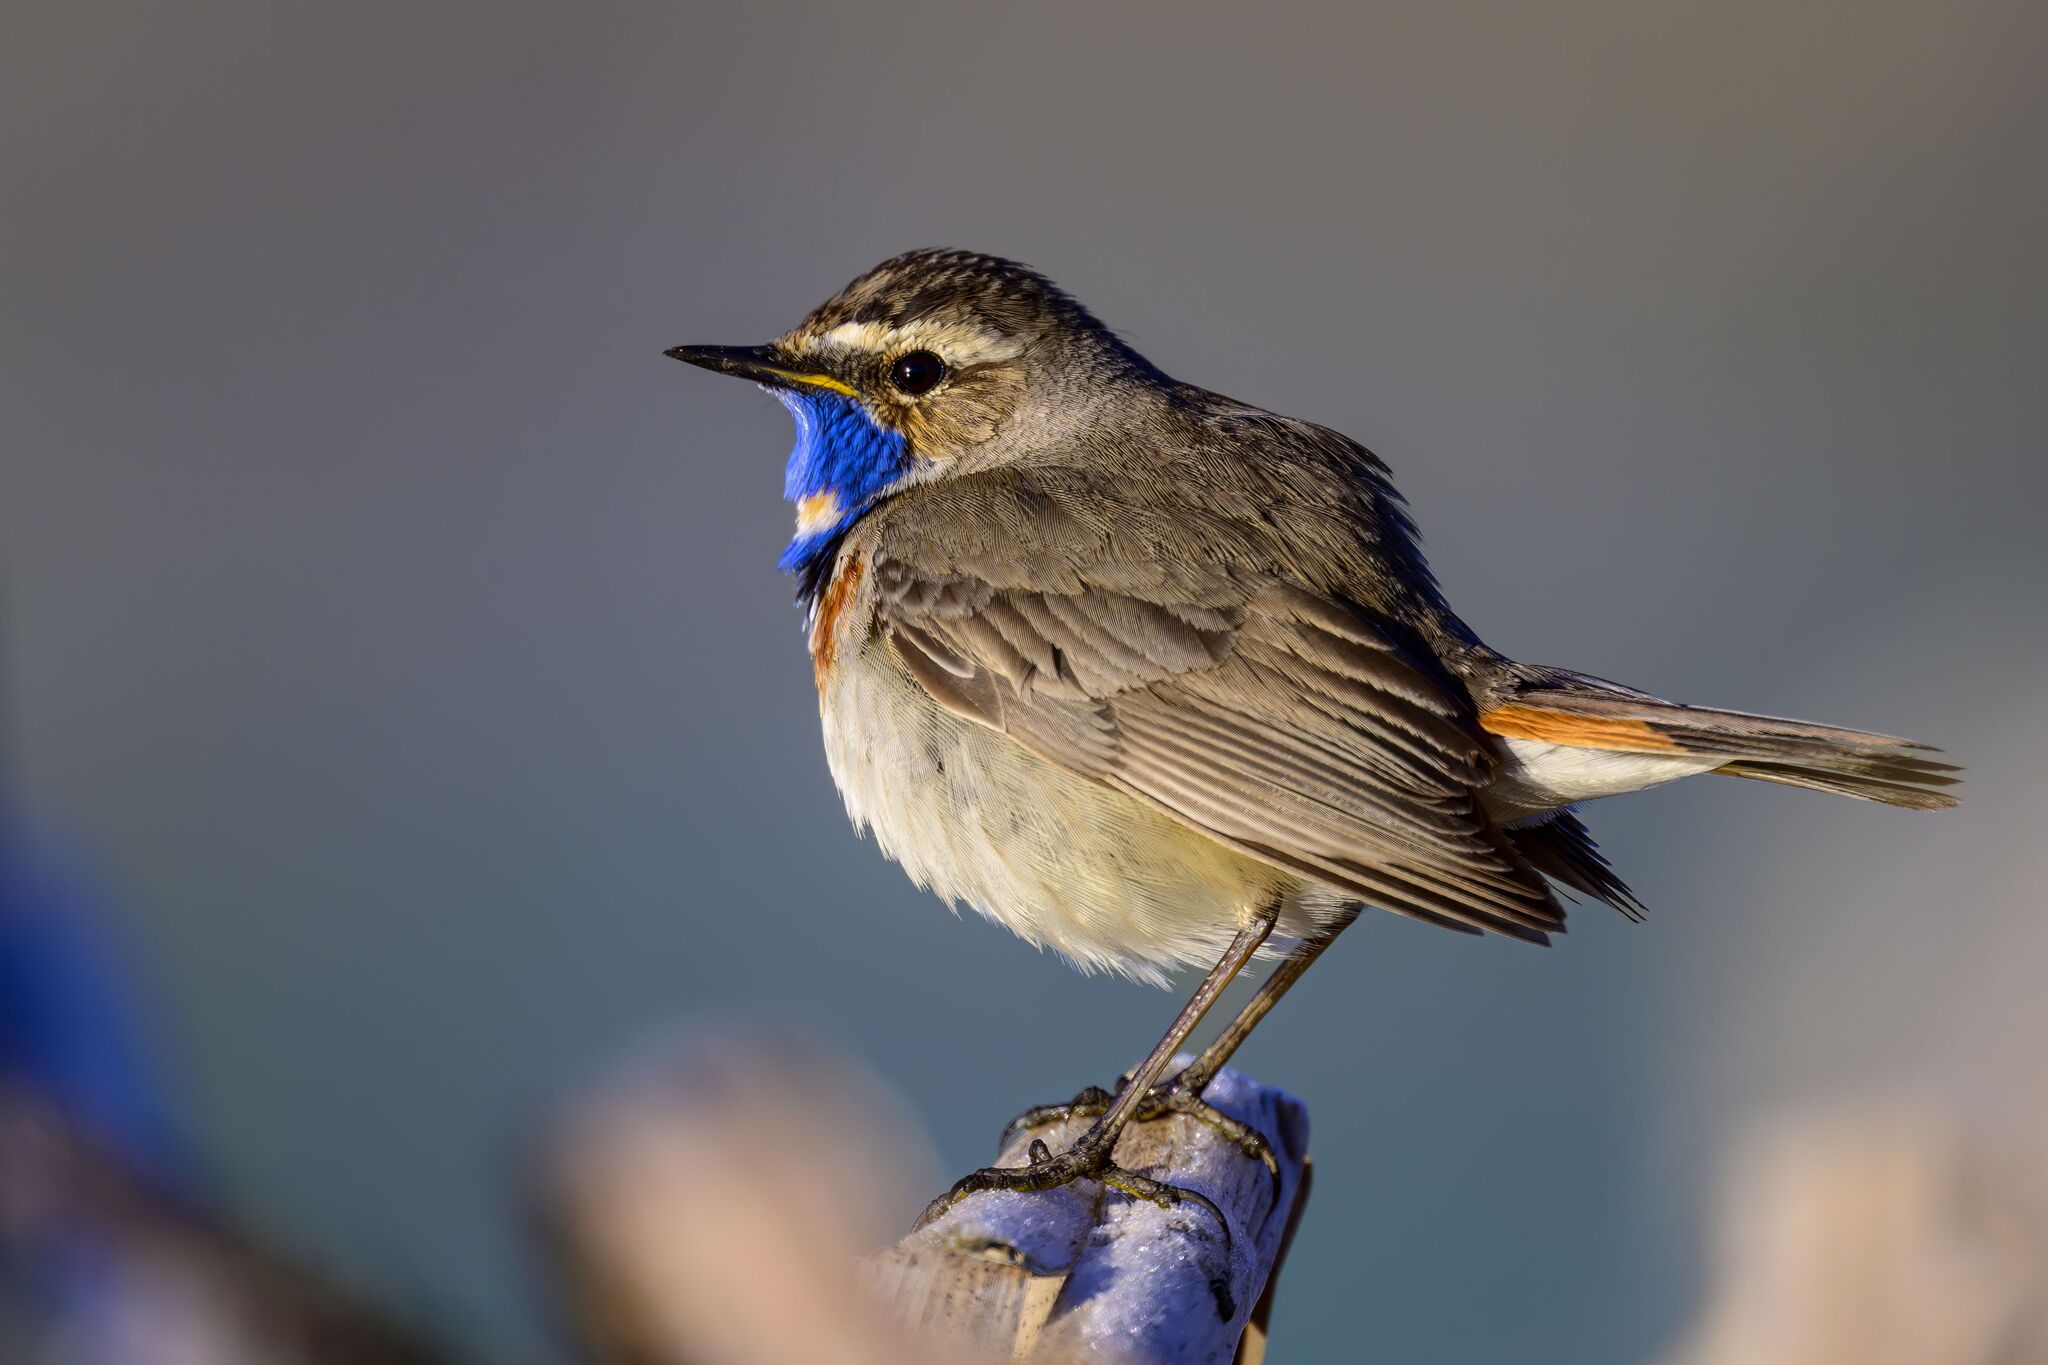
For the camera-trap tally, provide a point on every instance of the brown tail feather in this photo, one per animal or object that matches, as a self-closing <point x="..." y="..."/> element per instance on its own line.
<point x="1821" y="779"/>
<point x="1571" y="709"/>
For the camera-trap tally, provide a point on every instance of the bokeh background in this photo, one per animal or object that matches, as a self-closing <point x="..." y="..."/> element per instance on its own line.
<point x="396" y="634"/>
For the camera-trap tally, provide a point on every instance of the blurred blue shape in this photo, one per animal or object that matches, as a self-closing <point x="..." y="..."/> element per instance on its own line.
<point x="73" y="1021"/>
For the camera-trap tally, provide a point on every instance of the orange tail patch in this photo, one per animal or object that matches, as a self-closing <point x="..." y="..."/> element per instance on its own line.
<point x="1516" y="721"/>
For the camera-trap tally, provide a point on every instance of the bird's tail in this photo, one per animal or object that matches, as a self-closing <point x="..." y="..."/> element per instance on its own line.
<point x="1566" y="708"/>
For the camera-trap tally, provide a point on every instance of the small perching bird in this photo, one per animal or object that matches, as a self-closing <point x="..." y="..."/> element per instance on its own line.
<point x="1162" y="679"/>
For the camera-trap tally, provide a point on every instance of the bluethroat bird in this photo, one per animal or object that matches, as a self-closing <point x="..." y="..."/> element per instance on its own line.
<point x="1162" y="679"/>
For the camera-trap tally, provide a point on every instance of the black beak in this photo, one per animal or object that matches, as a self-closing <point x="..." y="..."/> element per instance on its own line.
<point x="757" y="363"/>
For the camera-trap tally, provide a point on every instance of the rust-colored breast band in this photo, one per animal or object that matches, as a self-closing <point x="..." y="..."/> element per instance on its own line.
<point x="1515" y="721"/>
<point x="825" y="629"/>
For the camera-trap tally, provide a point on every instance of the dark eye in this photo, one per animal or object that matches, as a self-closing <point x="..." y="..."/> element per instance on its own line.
<point x="916" y="372"/>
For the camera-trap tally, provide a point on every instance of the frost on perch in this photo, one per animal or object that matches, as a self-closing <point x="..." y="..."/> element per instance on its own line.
<point x="1088" y="1273"/>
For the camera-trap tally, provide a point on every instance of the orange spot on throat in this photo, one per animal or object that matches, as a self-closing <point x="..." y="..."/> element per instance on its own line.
<point x="1515" y="721"/>
<point x="816" y="512"/>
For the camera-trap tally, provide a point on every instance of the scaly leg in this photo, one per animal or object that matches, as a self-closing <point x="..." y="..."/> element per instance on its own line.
<point x="1090" y="1157"/>
<point x="1195" y="1079"/>
<point x="1183" y="1094"/>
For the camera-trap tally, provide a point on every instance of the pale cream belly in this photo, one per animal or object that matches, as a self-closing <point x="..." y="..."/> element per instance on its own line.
<point x="1106" y="880"/>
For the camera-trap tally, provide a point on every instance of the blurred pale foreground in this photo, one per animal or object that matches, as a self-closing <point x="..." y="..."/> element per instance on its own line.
<point x="713" y="1203"/>
<point x="1879" y="1236"/>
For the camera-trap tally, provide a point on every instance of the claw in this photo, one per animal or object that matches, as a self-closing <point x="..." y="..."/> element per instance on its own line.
<point x="1090" y="1157"/>
<point x="1165" y="1100"/>
<point x="1093" y="1102"/>
<point x="1172" y="1098"/>
<point x="1164" y="1195"/>
<point x="1046" y="1172"/>
<point x="1087" y="1161"/>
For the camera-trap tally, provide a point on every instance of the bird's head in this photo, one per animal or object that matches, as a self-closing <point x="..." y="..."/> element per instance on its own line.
<point x="932" y="364"/>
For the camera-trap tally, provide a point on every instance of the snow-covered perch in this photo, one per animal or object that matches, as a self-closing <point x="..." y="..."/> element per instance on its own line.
<point x="1087" y="1273"/>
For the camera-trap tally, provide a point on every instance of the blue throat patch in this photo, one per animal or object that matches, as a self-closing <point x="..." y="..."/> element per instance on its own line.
<point x="843" y="455"/>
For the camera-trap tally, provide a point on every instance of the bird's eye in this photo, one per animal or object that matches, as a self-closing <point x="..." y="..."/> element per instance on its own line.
<point x="916" y="372"/>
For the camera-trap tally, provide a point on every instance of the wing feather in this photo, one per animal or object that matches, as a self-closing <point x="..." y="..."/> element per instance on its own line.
<point x="1286" y="724"/>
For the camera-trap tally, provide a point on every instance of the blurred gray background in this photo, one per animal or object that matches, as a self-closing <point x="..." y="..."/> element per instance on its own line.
<point x="401" y="633"/>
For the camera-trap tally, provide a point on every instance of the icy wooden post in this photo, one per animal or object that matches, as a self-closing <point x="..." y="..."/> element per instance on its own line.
<point x="1086" y="1273"/>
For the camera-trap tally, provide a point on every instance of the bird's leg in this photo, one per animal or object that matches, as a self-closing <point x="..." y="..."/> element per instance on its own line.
<point x="1195" y="1078"/>
<point x="1090" y="1157"/>
<point x="1183" y="1094"/>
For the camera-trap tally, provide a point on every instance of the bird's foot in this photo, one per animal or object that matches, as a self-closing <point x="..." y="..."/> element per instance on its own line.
<point x="1088" y="1159"/>
<point x="1092" y="1102"/>
<point x="1176" y="1096"/>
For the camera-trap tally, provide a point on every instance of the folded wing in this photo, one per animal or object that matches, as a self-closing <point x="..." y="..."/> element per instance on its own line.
<point x="1286" y="724"/>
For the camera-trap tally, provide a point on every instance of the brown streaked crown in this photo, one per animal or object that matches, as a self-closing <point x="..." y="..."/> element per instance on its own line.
<point x="1001" y="295"/>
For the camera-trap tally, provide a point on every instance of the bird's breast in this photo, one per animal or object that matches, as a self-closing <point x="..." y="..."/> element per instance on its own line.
<point x="1108" y="880"/>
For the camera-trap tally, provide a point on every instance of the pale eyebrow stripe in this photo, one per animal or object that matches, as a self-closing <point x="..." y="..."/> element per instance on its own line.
<point x="959" y="345"/>
<point x="857" y="335"/>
